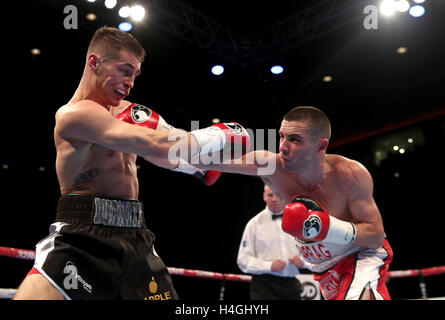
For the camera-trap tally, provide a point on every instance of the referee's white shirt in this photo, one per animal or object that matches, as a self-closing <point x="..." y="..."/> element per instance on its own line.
<point x="264" y="241"/>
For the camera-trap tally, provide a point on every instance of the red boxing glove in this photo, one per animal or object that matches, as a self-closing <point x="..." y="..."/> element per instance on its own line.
<point x="237" y="139"/>
<point x="306" y="220"/>
<point x="230" y="137"/>
<point x="142" y="116"/>
<point x="139" y="115"/>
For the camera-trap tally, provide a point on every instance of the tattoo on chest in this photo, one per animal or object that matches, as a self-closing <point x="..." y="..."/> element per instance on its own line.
<point x="86" y="176"/>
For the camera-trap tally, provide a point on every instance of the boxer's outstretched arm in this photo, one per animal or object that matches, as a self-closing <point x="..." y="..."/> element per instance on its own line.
<point x="255" y="163"/>
<point x="90" y="122"/>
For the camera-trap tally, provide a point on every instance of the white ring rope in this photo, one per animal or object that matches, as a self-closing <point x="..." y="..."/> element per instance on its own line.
<point x="30" y="255"/>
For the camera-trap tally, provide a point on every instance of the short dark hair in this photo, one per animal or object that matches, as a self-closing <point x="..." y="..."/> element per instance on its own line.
<point x="317" y="120"/>
<point x="110" y="41"/>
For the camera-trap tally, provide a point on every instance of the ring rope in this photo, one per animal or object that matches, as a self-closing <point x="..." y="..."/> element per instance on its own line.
<point x="30" y="255"/>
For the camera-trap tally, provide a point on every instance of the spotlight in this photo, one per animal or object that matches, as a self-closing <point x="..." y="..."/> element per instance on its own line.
<point x="402" y="6"/>
<point x="402" y="50"/>
<point x="417" y="11"/>
<point x="137" y="13"/>
<point x="35" y="51"/>
<point x="276" y="69"/>
<point x="110" y="4"/>
<point x="419" y="1"/>
<point x="327" y="78"/>
<point x="125" y="26"/>
<point x="125" y="12"/>
<point x="388" y="7"/>
<point x="91" y="17"/>
<point x="217" y="70"/>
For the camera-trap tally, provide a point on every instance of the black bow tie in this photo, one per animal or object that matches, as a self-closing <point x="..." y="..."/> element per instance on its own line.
<point x="276" y="216"/>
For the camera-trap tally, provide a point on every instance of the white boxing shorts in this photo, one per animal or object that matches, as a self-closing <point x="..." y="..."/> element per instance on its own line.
<point x="348" y="279"/>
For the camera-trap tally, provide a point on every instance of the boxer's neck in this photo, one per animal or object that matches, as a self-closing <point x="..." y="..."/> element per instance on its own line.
<point x="312" y="175"/>
<point x="87" y="91"/>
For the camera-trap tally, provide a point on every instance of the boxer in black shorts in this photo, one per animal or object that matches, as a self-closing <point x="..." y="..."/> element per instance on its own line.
<point x="99" y="247"/>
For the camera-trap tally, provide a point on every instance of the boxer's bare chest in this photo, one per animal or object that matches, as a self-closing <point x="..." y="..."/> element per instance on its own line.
<point x="328" y="192"/>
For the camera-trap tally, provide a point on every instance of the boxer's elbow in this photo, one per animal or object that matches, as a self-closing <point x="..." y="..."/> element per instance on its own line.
<point x="369" y="236"/>
<point x="151" y="148"/>
<point x="379" y="239"/>
<point x="166" y="144"/>
<point x="376" y="240"/>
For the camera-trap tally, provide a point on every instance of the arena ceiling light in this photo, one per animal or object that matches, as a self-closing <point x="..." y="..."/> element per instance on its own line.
<point x="91" y="17"/>
<point x="402" y="5"/>
<point x="217" y="70"/>
<point x="125" y="26"/>
<point x="402" y="50"/>
<point x="110" y="4"/>
<point x="125" y="11"/>
<point x="327" y="78"/>
<point x="277" y="69"/>
<point x="137" y="12"/>
<point x="35" y="51"/>
<point x="417" y="11"/>
<point x="388" y="7"/>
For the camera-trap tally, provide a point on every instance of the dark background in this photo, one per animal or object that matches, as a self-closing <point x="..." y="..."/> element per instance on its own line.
<point x="377" y="99"/>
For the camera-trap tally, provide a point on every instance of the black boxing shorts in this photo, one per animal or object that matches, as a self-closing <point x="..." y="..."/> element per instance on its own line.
<point x="100" y="248"/>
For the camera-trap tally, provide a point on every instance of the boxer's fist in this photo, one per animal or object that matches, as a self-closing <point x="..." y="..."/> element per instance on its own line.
<point x="306" y="220"/>
<point x="229" y="137"/>
<point x="139" y="115"/>
<point x="237" y="139"/>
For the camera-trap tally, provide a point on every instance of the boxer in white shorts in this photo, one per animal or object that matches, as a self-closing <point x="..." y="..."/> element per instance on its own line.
<point x="351" y="232"/>
<point x="344" y="271"/>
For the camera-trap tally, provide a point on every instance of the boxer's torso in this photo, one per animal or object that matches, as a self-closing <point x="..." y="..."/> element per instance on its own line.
<point x="332" y="192"/>
<point x="84" y="167"/>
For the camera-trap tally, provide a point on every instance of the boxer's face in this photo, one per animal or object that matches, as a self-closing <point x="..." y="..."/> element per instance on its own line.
<point x="297" y="145"/>
<point x="272" y="202"/>
<point x="116" y="76"/>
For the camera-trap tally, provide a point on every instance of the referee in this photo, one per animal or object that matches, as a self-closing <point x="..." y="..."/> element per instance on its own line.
<point x="270" y="255"/>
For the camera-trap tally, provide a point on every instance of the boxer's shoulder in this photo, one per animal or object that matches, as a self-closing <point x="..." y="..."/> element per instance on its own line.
<point x="77" y="108"/>
<point x="349" y="173"/>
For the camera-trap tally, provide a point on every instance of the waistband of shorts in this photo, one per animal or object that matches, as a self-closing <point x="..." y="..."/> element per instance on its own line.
<point x="99" y="210"/>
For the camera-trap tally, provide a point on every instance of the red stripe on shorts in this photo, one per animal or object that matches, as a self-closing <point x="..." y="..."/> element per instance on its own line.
<point x="33" y="271"/>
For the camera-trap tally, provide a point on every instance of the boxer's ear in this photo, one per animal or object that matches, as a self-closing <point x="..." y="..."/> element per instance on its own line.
<point x="93" y="62"/>
<point x="323" y="144"/>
